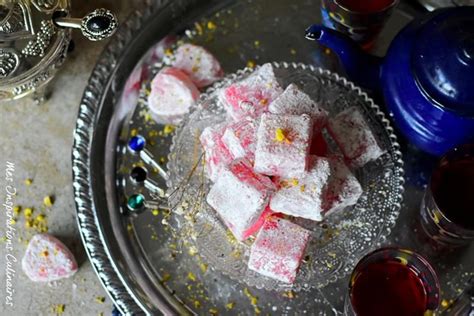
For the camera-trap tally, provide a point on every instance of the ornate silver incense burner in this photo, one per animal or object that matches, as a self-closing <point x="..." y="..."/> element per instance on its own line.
<point x="34" y="41"/>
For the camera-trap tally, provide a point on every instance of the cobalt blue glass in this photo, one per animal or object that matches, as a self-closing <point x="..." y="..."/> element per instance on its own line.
<point x="426" y="78"/>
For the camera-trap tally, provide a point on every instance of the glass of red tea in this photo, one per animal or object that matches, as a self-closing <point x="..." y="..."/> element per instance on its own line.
<point x="447" y="209"/>
<point x="392" y="282"/>
<point x="362" y="20"/>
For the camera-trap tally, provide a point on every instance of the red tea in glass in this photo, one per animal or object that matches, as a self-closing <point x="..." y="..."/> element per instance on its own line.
<point x="392" y="282"/>
<point x="447" y="210"/>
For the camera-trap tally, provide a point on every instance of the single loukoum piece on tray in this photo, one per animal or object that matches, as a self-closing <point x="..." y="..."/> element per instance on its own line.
<point x="48" y="259"/>
<point x="251" y="96"/>
<point x="283" y="143"/>
<point x="343" y="189"/>
<point x="303" y="196"/>
<point x="354" y="137"/>
<point x="240" y="197"/>
<point x="295" y="102"/>
<point x="216" y="153"/>
<point x="240" y="139"/>
<point x="278" y="249"/>
<point x="199" y="64"/>
<point x="172" y="96"/>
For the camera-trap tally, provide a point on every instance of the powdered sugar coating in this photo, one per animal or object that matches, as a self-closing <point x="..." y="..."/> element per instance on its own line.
<point x="240" y="196"/>
<point x="283" y="158"/>
<point x="216" y="154"/>
<point x="343" y="189"/>
<point x="251" y="96"/>
<point x="354" y="137"/>
<point x="303" y="196"/>
<point x="295" y="102"/>
<point x="48" y="259"/>
<point x="199" y="64"/>
<point x="240" y="139"/>
<point x="278" y="249"/>
<point x="172" y="95"/>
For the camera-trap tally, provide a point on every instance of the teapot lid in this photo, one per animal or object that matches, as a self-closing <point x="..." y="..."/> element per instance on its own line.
<point x="443" y="59"/>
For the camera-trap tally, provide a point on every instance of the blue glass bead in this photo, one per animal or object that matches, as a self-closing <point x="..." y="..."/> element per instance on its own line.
<point x="136" y="143"/>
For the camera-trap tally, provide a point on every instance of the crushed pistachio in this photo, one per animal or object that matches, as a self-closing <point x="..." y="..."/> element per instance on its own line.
<point x="281" y="136"/>
<point x="197" y="304"/>
<point x="155" y="212"/>
<point x="251" y="64"/>
<point x="28" y="182"/>
<point x="59" y="309"/>
<point x="203" y="267"/>
<point x="133" y="132"/>
<point x="17" y="210"/>
<point x="168" y="129"/>
<point x="253" y="299"/>
<point x="28" y="212"/>
<point x="100" y="299"/>
<point x="48" y="201"/>
<point x="166" y="277"/>
<point x="213" y="311"/>
<point x="191" y="276"/>
<point x="230" y="305"/>
<point x="211" y="25"/>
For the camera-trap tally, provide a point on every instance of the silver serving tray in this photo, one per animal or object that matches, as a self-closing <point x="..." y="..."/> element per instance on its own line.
<point x="128" y="252"/>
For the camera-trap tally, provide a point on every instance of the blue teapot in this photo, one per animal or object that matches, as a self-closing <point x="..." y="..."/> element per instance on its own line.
<point x="426" y="78"/>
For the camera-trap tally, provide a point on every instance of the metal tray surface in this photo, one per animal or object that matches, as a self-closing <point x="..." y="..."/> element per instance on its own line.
<point x="139" y="260"/>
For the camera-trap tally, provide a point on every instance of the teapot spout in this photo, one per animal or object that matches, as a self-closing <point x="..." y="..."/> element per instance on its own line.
<point x="361" y="67"/>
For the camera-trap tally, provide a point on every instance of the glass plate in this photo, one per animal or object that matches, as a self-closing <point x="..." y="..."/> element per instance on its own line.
<point x="339" y="240"/>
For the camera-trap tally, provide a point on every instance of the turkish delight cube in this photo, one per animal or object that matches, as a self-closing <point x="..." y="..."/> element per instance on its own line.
<point x="240" y="196"/>
<point x="216" y="154"/>
<point x="354" y="137"/>
<point x="278" y="250"/>
<point x="48" y="259"/>
<point x="343" y="188"/>
<point x="199" y="64"/>
<point x="303" y="196"/>
<point x="240" y="139"/>
<point x="296" y="102"/>
<point x="283" y="143"/>
<point x="172" y="96"/>
<point x="251" y="96"/>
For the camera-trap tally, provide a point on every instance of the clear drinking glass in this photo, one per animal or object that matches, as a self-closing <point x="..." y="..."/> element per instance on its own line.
<point x="447" y="209"/>
<point x="361" y="20"/>
<point x="392" y="281"/>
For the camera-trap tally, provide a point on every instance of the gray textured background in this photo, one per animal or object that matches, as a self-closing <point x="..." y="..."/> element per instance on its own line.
<point x="38" y="140"/>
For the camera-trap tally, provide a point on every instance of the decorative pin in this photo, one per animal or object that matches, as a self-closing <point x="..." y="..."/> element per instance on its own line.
<point x="96" y="26"/>
<point x="136" y="203"/>
<point x="136" y="145"/>
<point x="139" y="175"/>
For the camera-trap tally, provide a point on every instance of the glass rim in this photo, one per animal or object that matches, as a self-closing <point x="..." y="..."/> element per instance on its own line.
<point x="435" y="292"/>
<point x="387" y="8"/>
